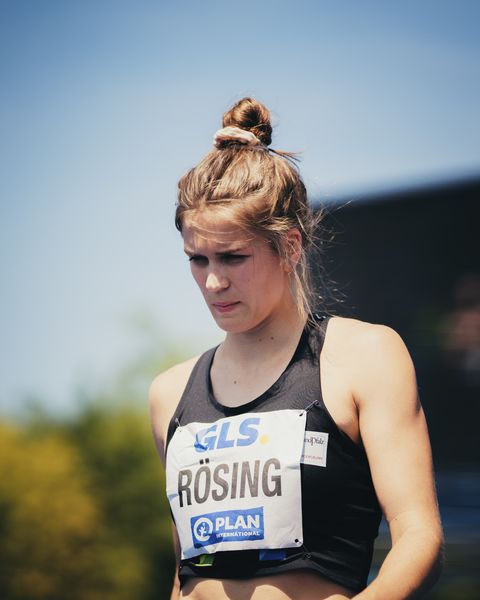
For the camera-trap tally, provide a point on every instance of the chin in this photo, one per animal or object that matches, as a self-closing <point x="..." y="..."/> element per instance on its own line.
<point x="230" y="327"/>
<point x="238" y="325"/>
<point x="229" y="324"/>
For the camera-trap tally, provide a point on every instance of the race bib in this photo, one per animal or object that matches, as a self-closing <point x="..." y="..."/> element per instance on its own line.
<point x="235" y="484"/>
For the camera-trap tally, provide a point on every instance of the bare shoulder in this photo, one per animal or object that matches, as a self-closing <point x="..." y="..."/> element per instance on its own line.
<point x="164" y="395"/>
<point x="170" y="384"/>
<point x="362" y="332"/>
<point x="366" y="339"/>
<point x="376" y="355"/>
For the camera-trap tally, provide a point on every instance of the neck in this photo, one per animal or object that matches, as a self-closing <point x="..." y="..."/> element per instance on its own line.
<point x="270" y="335"/>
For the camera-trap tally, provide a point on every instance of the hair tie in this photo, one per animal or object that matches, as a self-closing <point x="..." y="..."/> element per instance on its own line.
<point x="235" y="134"/>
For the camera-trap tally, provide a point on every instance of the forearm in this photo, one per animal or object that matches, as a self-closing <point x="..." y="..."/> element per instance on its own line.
<point x="411" y="567"/>
<point x="175" y="595"/>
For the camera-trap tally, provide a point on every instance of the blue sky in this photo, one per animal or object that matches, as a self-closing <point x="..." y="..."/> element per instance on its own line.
<point x="103" y="105"/>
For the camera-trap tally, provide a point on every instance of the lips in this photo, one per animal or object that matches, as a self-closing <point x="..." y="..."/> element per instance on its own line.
<point x="223" y="304"/>
<point x="224" y="307"/>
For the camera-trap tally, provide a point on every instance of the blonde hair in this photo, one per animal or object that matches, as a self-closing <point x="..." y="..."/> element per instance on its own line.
<point x="259" y="189"/>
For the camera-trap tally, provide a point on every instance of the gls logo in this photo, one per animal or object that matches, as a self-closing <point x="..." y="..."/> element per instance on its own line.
<point x="227" y="436"/>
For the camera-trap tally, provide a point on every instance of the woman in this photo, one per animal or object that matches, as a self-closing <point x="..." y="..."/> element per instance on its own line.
<point x="285" y="443"/>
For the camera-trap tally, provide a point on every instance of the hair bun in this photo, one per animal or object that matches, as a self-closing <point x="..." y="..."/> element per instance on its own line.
<point x="251" y="115"/>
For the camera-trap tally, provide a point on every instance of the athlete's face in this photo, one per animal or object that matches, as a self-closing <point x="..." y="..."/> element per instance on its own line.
<point x="244" y="282"/>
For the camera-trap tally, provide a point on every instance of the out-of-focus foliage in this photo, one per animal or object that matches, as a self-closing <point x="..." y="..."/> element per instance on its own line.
<point x="128" y="482"/>
<point x="83" y="512"/>
<point x="51" y="528"/>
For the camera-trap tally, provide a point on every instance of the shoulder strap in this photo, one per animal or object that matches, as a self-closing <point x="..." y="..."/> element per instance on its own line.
<point x="197" y="376"/>
<point x="318" y="328"/>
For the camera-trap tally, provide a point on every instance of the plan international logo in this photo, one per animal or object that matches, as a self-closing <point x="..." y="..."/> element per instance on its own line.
<point x="227" y="526"/>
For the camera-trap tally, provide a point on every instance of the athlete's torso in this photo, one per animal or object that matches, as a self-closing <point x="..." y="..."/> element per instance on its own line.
<point x="338" y="505"/>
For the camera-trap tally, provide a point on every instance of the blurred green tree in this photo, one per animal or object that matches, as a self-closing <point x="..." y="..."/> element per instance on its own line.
<point x="128" y="484"/>
<point x="54" y="543"/>
<point x="83" y="511"/>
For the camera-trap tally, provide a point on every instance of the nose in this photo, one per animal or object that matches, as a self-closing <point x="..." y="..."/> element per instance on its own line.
<point x="216" y="281"/>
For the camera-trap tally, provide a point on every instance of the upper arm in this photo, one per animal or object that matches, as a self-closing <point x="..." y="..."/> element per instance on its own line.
<point x="394" y="431"/>
<point x="158" y="407"/>
<point x="163" y="397"/>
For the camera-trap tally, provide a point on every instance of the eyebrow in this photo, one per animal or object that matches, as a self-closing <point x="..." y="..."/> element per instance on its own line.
<point x="221" y="253"/>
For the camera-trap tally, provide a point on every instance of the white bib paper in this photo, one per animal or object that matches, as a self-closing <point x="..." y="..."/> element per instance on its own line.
<point x="235" y="484"/>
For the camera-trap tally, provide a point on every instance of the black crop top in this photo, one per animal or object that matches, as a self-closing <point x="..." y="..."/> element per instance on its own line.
<point x="340" y="510"/>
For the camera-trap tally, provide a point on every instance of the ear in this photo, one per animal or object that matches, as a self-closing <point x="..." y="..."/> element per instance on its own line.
<point x="293" y="247"/>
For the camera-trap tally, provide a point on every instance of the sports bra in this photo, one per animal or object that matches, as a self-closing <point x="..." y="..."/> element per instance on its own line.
<point x="273" y="485"/>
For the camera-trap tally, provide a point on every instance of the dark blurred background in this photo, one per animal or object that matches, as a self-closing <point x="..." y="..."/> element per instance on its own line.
<point x="410" y="259"/>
